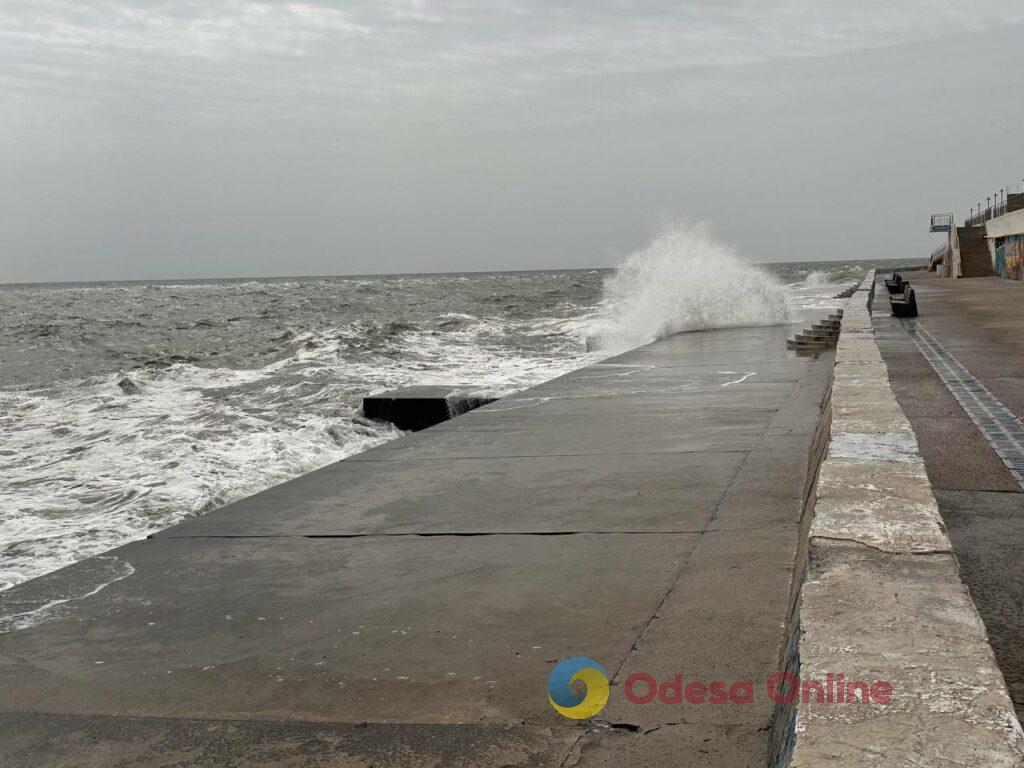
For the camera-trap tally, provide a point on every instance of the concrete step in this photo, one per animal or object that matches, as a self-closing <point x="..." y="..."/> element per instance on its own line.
<point x="975" y="257"/>
<point x="976" y="264"/>
<point x="823" y="334"/>
<point x="807" y="338"/>
<point x="803" y="345"/>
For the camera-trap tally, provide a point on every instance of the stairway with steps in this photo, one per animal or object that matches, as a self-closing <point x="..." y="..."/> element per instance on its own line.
<point x="975" y="258"/>
<point x="821" y="335"/>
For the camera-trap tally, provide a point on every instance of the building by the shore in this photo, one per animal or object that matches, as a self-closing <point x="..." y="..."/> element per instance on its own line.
<point x="990" y="242"/>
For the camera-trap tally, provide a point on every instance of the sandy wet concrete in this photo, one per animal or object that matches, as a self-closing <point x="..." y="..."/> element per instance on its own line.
<point x="980" y="321"/>
<point x="405" y="606"/>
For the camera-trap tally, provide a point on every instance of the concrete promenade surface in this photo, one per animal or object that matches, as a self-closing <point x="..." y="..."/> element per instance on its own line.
<point x="405" y="607"/>
<point x="979" y="322"/>
<point x="882" y="596"/>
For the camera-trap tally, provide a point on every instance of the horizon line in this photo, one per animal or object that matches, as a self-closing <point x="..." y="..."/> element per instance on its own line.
<point x="356" y="275"/>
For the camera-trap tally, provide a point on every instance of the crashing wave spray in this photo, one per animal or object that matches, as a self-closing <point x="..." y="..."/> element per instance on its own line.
<point x="684" y="280"/>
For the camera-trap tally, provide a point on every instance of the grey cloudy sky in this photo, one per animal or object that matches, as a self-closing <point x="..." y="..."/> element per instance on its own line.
<point x="178" y="139"/>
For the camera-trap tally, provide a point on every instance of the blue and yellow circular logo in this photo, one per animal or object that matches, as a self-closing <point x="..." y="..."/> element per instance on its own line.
<point x="571" y="704"/>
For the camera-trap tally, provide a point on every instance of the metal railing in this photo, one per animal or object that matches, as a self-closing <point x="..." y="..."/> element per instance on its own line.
<point x="997" y="205"/>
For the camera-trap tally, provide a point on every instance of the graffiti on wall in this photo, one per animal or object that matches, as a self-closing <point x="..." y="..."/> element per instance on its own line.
<point x="1010" y="257"/>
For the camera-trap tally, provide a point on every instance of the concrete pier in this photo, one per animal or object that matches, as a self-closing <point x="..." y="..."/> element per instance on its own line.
<point x="406" y="606"/>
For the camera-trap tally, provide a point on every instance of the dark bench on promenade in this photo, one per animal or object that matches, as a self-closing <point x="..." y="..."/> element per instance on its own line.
<point x="903" y="304"/>
<point x="895" y="283"/>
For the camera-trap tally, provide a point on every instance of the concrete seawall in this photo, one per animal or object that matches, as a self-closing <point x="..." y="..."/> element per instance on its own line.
<point x="882" y="598"/>
<point x="406" y="606"/>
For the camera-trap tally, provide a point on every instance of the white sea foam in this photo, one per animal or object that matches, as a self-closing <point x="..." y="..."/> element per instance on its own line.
<point x="88" y="467"/>
<point x="685" y="280"/>
<point x="106" y="570"/>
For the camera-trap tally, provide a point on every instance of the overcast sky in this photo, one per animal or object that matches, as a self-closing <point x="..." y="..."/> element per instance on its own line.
<point x="203" y="138"/>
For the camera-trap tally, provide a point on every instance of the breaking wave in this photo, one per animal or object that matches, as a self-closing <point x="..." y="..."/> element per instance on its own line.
<point x="685" y="280"/>
<point x="816" y="278"/>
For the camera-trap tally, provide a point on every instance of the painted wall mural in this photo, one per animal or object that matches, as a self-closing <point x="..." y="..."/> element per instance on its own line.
<point x="1010" y="257"/>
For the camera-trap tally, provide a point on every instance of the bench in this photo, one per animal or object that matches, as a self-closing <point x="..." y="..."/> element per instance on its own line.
<point x="904" y="304"/>
<point x="895" y="283"/>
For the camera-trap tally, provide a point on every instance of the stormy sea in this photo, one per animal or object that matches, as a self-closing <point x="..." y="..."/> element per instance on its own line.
<point x="127" y="406"/>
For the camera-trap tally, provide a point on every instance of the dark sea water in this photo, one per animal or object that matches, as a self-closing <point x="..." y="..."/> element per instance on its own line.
<point x="125" y="407"/>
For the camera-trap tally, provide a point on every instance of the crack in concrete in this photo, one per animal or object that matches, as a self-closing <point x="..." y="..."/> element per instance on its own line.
<point x="575" y="752"/>
<point x="406" y="459"/>
<point x="883" y="550"/>
<point x="358" y="457"/>
<point x="451" y="534"/>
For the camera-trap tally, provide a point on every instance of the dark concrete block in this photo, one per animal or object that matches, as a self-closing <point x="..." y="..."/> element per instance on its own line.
<point x="415" y="408"/>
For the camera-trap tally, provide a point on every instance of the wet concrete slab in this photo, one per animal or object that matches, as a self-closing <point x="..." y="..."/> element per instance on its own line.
<point x="987" y="530"/>
<point x="594" y="430"/>
<point x="72" y="741"/>
<point x="632" y="492"/>
<point x="405" y="606"/>
<point x="392" y="629"/>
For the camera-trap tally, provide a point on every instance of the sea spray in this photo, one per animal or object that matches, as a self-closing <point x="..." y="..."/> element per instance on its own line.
<point x="816" y="278"/>
<point x="684" y="280"/>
